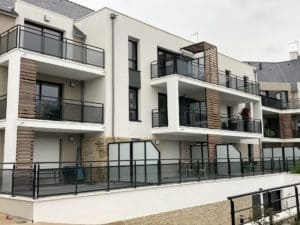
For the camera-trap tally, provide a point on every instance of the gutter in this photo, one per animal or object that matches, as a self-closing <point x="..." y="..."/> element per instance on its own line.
<point x="113" y="17"/>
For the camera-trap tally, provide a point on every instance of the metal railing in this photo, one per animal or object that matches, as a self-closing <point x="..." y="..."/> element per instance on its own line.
<point x="57" y="178"/>
<point x="281" y="208"/>
<point x="194" y="68"/>
<point x="2" y="107"/>
<point x="45" y="43"/>
<point x="192" y="118"/>
<point x="238" y="124"/>
<point x="159" y="118"/>
<point x="272" y="133"/>
<point x="49" y="108"/>
<point x="278" y="104"/>
<point x="238" y="83"/>
<point x="179" y="65"/>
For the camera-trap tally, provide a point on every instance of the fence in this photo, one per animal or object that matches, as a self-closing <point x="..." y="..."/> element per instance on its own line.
<point x="269" y="206"/>
<point x="59" y="178"/>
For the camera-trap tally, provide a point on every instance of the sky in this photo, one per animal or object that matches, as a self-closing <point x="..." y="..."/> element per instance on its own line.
<point x="249" y="30"/>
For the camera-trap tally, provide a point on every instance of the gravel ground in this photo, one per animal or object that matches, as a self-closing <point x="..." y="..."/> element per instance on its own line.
<point x="18" y="221"/>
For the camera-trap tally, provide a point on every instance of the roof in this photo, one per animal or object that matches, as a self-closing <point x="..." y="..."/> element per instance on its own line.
<point x="278" y="72"/>
<point x="7" y="6"/>
<point x="199" y="47"/>
<point x="64" y="7"/>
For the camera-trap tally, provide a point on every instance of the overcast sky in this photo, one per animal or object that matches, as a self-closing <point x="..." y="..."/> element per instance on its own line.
<point x="257" y="30"/>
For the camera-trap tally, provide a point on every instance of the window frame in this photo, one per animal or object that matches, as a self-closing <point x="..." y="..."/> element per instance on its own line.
<point x="136" y="109"/>
<point x="134" y="52"/>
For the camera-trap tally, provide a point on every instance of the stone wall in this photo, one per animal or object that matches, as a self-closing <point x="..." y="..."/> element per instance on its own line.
<point x="211" y="214"/>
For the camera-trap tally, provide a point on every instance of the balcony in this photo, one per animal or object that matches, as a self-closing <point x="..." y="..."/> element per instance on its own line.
<point x="2" y="107"/>
<point x="48" y="108"/>
<point x="279" y="104"/>
<point x="194" y="68"/>
<point x="30" y="39"/>
<point x="177" y="65"/>
<point x="192" y="118"/>
<point x="159" y="118"/>
<point x="44" y="179"/>
<point x="238" y="124"/>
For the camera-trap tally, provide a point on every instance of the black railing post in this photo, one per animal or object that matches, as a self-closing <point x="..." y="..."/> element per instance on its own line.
<point x="297" y="201"/>
<point x="294" y="162"/>
<point x="76" y="176"/>
<point x="135" y="174"/>
<point x="270" y="208"/>
<point x="108" y="176"/>
<point x="13" y="181"/>
<point x="215" y="168"/>
<point x="34" y="182"/>
<point x="279" y="161"/>
<point x="272" y="165"/>
<point x="232" y="212"/>
<point x="179" y="171"/>
<point x="198" y="170"/>
<point x="158" y="172"/>
<point x="38" y="181"/>
<point x="242" y="167"/>
<point x="263" y="165"/>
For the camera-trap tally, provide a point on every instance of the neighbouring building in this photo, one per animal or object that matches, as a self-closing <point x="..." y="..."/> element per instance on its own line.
<point x="96" y="101"/>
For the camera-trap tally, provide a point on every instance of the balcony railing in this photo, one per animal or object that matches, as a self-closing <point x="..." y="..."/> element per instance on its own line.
<point x="238" y="124"/>
<point x="278" y="104"/>
<point x="2" y="107"/>
<point x="194" y="68"/>
<point x="44" y="179"/>
<point x="178" y="65"/>
<point x="272" y="133"/>
<point x="159" y="118"/>
<point x="192" y="118"/>
<point x="238" y="83"/>
<point x="48" y="44"/>
<point x="48" y="108"/>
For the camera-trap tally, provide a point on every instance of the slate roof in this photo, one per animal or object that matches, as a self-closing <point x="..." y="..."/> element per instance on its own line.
<point x="64" y="7"/>
<point x="7" y="5"/>
<point x="284" y="72"/>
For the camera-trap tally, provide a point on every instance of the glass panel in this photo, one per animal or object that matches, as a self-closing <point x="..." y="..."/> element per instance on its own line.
<point x="267" y="153"/>
<point x="222" y="153"/>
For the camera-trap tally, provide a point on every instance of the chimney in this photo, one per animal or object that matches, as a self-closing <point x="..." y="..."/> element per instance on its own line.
<point x="294" y="55"/>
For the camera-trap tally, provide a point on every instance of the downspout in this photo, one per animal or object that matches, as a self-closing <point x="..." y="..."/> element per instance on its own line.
<point x="113" y="17"/>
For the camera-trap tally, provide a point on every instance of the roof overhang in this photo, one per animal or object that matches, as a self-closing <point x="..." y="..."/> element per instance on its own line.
<point x="198" y="47"/>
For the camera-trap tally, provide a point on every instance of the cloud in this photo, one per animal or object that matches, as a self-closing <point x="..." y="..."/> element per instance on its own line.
<point x="244" y="29"/>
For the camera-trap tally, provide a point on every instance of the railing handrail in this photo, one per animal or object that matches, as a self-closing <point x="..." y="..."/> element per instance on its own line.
<point x="65" y="42"/>
<point x="245" y="159"/>
<point x="61" y="100"/>
<point x="175" y="57"/>
<point x="239" y="118"/>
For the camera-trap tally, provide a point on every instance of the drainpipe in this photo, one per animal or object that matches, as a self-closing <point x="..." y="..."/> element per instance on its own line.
<point x="113" y="17"/>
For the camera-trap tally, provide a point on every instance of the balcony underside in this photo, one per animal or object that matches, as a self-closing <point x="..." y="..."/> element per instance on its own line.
<point x="195" y="133"/>
<point x="280" y="111"/>
<point x="161" y="83"/>
<point x="61" y="126"/>
<point x="280" y="140"/>
<point x="55" y="66"/>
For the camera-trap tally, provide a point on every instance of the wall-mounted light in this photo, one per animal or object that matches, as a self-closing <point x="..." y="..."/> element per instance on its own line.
<point x="71" y="139"/>
<point x="73" y="84"/>
<point x="157" y="142"/>
<point x="46" y="18"/>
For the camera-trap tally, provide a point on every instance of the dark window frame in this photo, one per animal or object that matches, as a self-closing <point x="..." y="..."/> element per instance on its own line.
<point x="134" y="53"/>
<point x="135" y="110"/>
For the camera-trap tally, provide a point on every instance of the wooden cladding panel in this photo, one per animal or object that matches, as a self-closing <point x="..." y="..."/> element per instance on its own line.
<point x="28" y="76"/>
<point x="213" y="109"/>
<point x="213" y="140"/>
<point x="286" y="125"/>
<point x="25" y="139"/>
<point x="211" y="65"/>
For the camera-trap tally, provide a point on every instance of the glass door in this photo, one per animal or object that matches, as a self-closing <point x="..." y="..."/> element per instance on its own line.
<point x="48" y="101"/>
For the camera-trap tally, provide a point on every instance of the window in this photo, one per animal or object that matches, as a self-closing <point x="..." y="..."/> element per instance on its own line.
<point x="132" y="55"/>
<point x="227" y="77"/>
<point x="133" y="104"/>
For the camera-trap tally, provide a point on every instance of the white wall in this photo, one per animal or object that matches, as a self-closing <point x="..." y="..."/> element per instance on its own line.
<point x="236" y="67"/>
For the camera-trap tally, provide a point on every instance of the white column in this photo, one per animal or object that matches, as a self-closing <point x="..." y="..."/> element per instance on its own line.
<point x="13" y="83"/>
<point x="173" y="103"/>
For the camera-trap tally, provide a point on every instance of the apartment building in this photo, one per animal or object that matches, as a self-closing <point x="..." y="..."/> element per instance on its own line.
<point x="280" y="106"/>
<point x="97" y="101"/>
